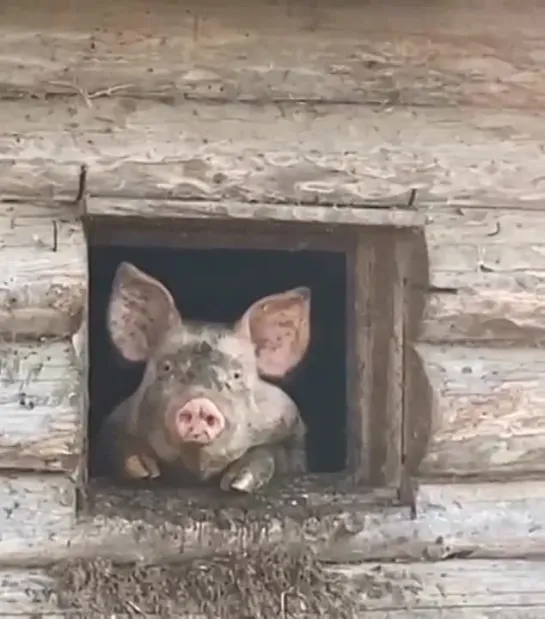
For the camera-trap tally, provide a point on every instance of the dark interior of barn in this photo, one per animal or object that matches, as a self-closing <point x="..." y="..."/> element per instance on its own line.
<point x="218" y="285"/>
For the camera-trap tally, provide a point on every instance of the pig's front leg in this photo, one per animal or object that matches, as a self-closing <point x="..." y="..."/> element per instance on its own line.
<point x="258" y="465"/>
<point x="251" y="472"/>
<point x="140" y="466"/>
<point x="119" y="454"/>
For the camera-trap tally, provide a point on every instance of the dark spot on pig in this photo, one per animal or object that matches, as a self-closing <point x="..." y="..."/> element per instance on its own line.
<point x="204" y="349"/>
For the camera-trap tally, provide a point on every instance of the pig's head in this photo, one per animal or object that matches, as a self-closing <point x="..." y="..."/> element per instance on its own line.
<point x="199" y="382"/>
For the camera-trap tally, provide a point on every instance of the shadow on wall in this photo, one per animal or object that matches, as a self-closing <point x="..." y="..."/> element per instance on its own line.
<point x="218" y="285"/>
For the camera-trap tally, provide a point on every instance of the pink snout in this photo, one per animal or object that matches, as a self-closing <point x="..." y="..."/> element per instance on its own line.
<point x="199" y="421"/>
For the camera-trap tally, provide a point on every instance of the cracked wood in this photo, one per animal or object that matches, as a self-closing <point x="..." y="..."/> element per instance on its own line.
<point x="41" y="418"/>
<point x="267" y="153"/>
<point x="452" y="55"/>
<point x="493" y="317"/>
<point x="163" y="524"/>
<point x="487" y="411"/>
<point x="479" y="520"/>
<point x="43" y="280"/>
<point x="486" y="277"/>
<point x="489" y="248"/>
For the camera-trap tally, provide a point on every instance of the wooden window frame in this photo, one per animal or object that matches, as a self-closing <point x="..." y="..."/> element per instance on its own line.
<point x="375" y="242"/>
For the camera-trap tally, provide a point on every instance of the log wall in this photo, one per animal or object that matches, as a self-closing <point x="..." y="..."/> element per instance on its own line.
<point x="480" y="343"/>
<point x="431" y="117"/>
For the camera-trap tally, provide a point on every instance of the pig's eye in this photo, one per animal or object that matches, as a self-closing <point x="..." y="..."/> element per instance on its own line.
<point x="237" y="375"/>
<point x="166" y="366"/>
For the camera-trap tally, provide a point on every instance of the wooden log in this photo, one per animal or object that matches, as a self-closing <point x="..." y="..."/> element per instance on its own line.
<point x="234" y="233"/>
<point x="493" y="248"/>
<point x="484" y="54"/>
<point x="271" y="154"/>
<point x="375" y="359"/>
<point x="165" y="525"/>
<point x="43" y="280"/>
<point x="41" y="422"/>
<point x="457" y="588"/>
<point x="328" y="217"/>
<point x="34" y="508"/>
<point x="480" y="520"/>
<point x="486" y="277"/>
<point x="487" y="411"/>
<point x="488" y="317"/>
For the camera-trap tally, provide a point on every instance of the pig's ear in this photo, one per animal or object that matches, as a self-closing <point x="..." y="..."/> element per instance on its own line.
<point x="141" y="309"/>
<point x="279" y="327"/>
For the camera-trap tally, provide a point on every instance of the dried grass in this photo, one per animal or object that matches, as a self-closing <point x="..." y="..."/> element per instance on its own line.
<point x="263" y="584"/>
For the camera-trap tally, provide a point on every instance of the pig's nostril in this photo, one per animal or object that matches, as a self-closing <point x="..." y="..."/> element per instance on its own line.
<point x="198" y="420"/>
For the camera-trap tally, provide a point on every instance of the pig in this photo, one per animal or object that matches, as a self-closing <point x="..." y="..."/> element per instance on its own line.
<point x="204" y="411"/>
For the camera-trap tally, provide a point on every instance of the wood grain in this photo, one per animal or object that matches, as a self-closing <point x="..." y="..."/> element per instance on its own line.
<point x="486" y="277"/>
<point x="470" y="520"/>
<point x="453" y="54"/>
<point x="43" y="280"/>
<point x="494" y="248"/>
<point x="326" y="217"/>
<point x="488" y="317"/>
<point x="452" y="589"/>
<point x="272" y="154"/>
<point x="487" y="411"/>
<point x="34" y="508"/>
<point x="41" y="422"/>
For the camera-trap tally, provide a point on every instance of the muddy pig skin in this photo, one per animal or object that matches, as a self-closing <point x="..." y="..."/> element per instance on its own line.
<point x="203" y="412"/>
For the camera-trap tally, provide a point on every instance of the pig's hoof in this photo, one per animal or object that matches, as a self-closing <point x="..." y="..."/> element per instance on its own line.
<point x="141" y="467"/>
<point x="245" y="482"/>
<point x="151" y="466"/>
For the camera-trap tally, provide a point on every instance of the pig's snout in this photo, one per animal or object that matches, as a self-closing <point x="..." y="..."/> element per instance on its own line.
<point x="199" y="421"/>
